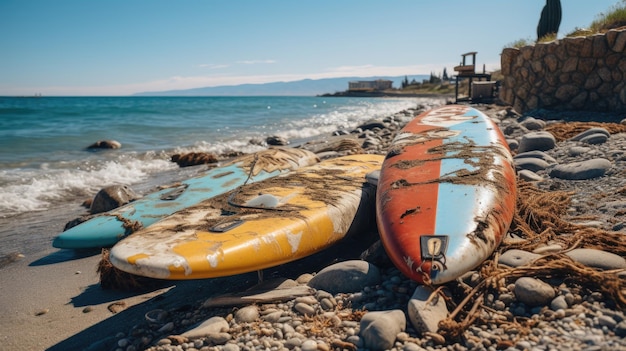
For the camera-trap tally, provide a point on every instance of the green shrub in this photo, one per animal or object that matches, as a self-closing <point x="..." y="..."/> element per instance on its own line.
<point x="614" y="18"/>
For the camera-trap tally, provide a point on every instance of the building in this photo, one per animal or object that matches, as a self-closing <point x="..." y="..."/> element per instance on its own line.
<point x="370" y="85"/>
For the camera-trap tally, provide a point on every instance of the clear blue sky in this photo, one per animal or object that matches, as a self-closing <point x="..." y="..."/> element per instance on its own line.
<point x="119" y="47"/>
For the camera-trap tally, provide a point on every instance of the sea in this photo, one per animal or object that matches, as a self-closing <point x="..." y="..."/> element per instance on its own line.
<point x="46" y="169"/>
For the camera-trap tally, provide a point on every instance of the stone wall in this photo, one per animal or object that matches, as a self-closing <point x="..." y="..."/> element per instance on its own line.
<point x="578" y="73"/>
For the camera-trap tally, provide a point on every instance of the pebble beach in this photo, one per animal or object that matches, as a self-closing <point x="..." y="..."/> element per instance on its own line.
<point x="554" y="285"/>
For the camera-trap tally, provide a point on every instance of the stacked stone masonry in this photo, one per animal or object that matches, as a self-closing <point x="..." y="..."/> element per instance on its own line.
<point x="577" y="73"/>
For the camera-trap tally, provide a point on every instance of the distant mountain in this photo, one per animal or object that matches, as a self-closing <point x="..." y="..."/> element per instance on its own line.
<point x="305" y="87"/>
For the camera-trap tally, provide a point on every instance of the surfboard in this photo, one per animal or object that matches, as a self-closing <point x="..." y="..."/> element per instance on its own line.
<point x="106" y="229"/>
<point x="446" y="194"/>
<point x="256" y="226"/>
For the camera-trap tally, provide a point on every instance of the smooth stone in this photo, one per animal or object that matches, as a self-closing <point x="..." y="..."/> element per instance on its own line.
<point x="577" y="150"/>
<point x="548" y="249"/>
<point x="607" y="321"/>
<point x="371" y="124"/>
<point x="558" y="303"/>
<point x="309" y="345"/>
<point x="531" y="164"/>
<point x="276" y="141"/>
<point x="529" y="176"/>
<point x="597" y="258"/>
<point x="589" y="169"/>
<point x="595" y="139"/>
<point x="105" y="144"/>
<point x="231" y="347"/>
<point x="532" y="123"/>
<point x="346" y="277"/>
<point x="305" y="309"/>
<point x="218" y="338"/>
<point x="516" y="258"/>
<point x="247" y="314"/>
<point x="425" y="316"/>
<point x="112" y="197"/>
<point x="541" y="141"/>
<point x="378" y="330"/>
<point x="536" y="154"/>
<point x="213" y="325"/>
<point x="533" y="292"/>
<point x="591" y="131"/>
<point x="620" y="329"/>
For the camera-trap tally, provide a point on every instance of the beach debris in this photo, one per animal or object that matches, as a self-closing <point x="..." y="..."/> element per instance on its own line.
<point x="105" y="144"/>
<point x="276" y="140"/>
<point x="10" y="258"/>
<point x="112" y="197"/>
<point x="112" y="278"/>
<point x="41" y="312"/>
<point x="117" y="306"/>
<point x="194" y="159"/>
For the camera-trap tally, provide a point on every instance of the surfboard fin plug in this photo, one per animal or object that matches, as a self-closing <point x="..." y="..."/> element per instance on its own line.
<point x="433" y="250"/>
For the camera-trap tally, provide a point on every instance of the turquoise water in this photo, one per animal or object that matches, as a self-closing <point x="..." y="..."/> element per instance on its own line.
<point x="44" y="163"/>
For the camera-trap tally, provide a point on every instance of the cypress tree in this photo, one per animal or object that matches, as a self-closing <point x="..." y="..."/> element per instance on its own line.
<point x="550" y="19"/>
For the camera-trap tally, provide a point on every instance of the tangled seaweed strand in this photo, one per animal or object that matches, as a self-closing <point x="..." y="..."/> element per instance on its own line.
<point x="538" y="220"/>
<point x="113" y="278"/>
<point x="564" y="131"/>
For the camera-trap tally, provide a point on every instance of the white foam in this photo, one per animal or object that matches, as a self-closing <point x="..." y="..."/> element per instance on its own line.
<point x="34" y="190"/>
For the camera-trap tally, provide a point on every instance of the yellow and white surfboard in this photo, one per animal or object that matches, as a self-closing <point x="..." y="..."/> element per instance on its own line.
<point x="256" y="226"/>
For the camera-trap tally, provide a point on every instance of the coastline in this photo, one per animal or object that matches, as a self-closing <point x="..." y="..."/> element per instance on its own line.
<point x="52" y="299"/>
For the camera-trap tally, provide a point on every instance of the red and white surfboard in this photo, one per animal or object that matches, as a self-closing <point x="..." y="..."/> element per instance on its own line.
<point x="446" y="194"/>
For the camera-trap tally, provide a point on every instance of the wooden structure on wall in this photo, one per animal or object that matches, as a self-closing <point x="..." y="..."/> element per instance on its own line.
<point x="477" y="90"/>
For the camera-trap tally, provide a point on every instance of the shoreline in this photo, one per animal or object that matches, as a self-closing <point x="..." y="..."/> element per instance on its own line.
<point x="52" y="299"/>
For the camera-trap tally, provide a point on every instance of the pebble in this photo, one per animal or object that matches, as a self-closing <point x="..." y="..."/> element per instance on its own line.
<point x="426" y="313"/>
<point x="516" y="258"/>
<point x="347" y="276"/>
<point x="533" y="292"/>
<point x="597" y="258"/>
<point x="582" y="170"/>
<point x="379" y="329"/>
<point x="541" y="141"/>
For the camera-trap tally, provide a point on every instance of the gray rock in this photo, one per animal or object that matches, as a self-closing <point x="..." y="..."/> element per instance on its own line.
<point x="597" y="258"/>
<point x="112" y="197"/>
<point x="577" y="150"/>
<point x="532" y="123"/>
<point x="425" y="315"/>
<point x="211" y="326"/>
<point x="589" y="169"/>
<point x="105" y="144"/>
<point x="607" y="321"/>
<point x="620" y="329"/>
<point x="595" y="139"/>
<point x="531" y="164"/>
<point x="541" y="141"/>
<point x="276" y="141"/>
<point x="533" y="292"/>
<point x="591" y="131"/>
<point x="516" y="258"/>
<point x="346" y="277"/>
<point x="536" y="154"/>
<point x="378" y="330"/>
<point x="558" y="303"/>
<point x="247" y="314"/>
<point x="371" y="124"/>
<point x="529" y="176"/>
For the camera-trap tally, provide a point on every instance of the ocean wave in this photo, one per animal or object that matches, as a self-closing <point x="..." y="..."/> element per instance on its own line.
<point x="36" y="190"/>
